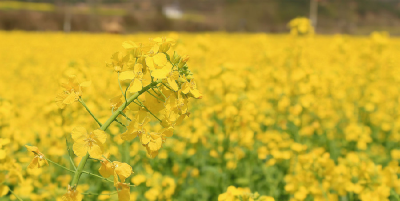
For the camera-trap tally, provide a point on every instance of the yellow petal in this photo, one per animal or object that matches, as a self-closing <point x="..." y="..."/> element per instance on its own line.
<point x="160" y="59"/>
<point x="123" y="192"/>
<point x="186" y="87"/>
<point x="96" y="151"/>
<point x="79" y="134"/>
<point x="126" y="75"/>
<point x="123" y="170"/>
<point x="160" y="73"/>
<point x="168" y="132"/>
<point x="142" y="116"/>
<point x="135" y="86"/>
<point x="100" y="135"/>
<point x="150" y="63"/>
<point x="155" y="48"/>
<point x="105" y="169"/>
<point x="152" y="154"/>
<point x="34" y="163"/>
<point x="196" y="93"/>
<point x="80" y="149"/>
<point x="138" y="68"/>
<point x="180" y="119"/>
<point x="32" y="149"/>
<point x="115" y="179"/>
<point x="155" y="145"/>
<point x="72" y="97"/>
<point x="145" y="139"/>
<point x="173" y="84"/>
<point x="60" y="99"/>
<point x="127" y="136"/>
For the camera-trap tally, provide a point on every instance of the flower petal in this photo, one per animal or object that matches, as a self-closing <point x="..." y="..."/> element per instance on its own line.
<point x="160" y="59"/>
<point x="123" y="170"/>
<point x="34" y="163"/>
<point x="123" y="192"/>
<point x="80" y="149"/>
<point x="96" y="151"/>
<point x="126" y="75"/>
<point x="135" y="86"/>
<point x="100" y="135"/>
<point x="105" y="169"/>
<point x="79" y="134"/>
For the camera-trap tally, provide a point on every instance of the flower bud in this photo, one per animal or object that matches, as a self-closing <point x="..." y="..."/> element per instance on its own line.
<point x="183" y="61"/>
<point x="189" y="77"/>
<point x="175" y="58"/>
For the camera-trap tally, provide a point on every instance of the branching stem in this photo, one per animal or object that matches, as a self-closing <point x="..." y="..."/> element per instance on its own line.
<point x="63" y="167"/>
<point x="104" y="127"/>
<point x="84" y="105"/>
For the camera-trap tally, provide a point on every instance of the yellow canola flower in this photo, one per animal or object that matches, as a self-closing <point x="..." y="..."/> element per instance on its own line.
<point x="92" y="142"/>
<point x="136" y="76"/>
<point x="137" y="126"/>
<point x="71" y="92"/>
<point x="38" y="157"/>
<point x="116" y="102"/>
<point x="172" y="77"/>
<point x="134" y="49"/>
<point x="118" y="61"/>
<point x="72" y="195"/>
<point x="120" y="170"/>
<point x="192" y="88"/>
<point x="163" y="44"/>
<point x="159" y="66"/>
<point x="153" y="141"/>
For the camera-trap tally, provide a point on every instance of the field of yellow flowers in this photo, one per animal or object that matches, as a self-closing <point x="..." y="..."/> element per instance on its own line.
<point x="282" y="117"/>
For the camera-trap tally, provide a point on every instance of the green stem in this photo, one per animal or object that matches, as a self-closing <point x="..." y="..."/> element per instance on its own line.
<point x="165" y="98"/>
<point x="123" y="114"/>
<point x="54" y="163"/>
<point x="167" y="87"/>
<point x="120" y="123"/>
<point x="15" y="194"/>
<point x="79" y="170"/>
<point x="155" y="91"/>
<point x="104" y="127"/>
<point x="84" y="105"/>
<point x="69" y="154"/>
<point x="98" y="176"/>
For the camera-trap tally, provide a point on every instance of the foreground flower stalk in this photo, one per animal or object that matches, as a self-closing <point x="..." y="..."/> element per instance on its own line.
<point x="104" y="127"/>
<point x="146" y="69"/>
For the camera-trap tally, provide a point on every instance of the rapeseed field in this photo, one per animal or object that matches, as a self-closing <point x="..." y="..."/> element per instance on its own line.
<point x="213" y="116"/>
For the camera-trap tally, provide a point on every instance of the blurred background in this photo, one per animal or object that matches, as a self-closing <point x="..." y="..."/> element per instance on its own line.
<point x="130" y="16"/>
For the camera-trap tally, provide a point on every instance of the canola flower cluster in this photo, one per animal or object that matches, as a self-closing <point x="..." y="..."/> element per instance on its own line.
<point x="292" y="117"/>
